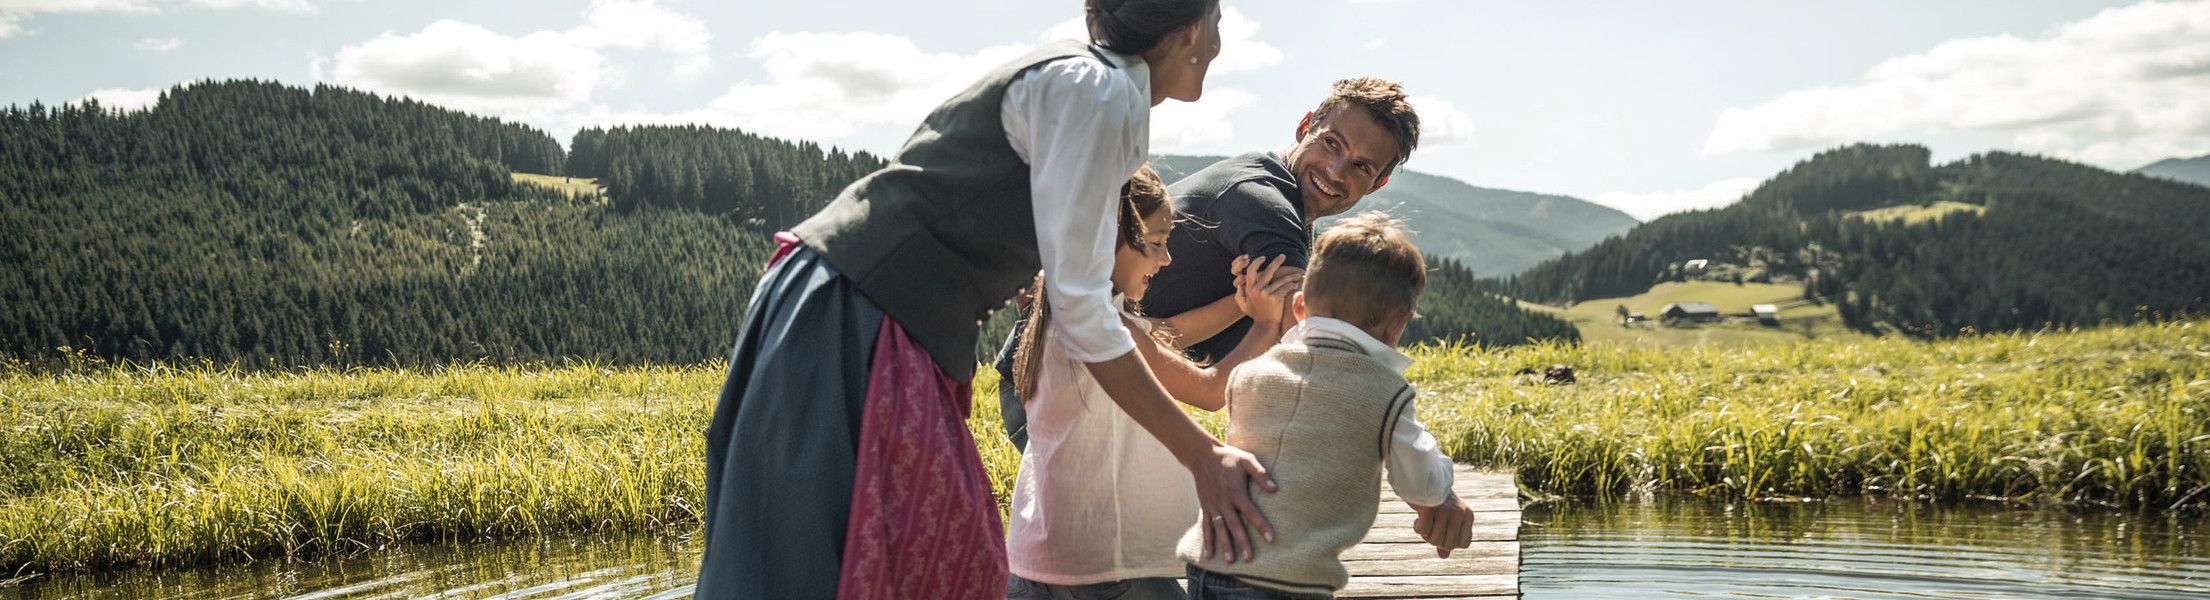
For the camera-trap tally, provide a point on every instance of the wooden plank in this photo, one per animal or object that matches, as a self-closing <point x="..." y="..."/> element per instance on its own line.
<point x="1404" y="520"/>
<point x="1418" y="550"/>
<point x="1432" y="586"/>
<point x="1392" y="562"/>
<point x="1489" y="531"/>
<point x="1475" y="484"/>
<point x="1431" y="566"/>
<point x="1394" y="505"/>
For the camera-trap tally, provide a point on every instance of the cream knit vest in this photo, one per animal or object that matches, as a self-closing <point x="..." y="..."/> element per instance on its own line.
<point x="1318" y="415"/>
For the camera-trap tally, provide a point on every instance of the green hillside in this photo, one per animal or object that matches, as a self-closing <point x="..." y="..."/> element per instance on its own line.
<point x="270" y="226"/>
<point x="1799" y="320"/>
<point x="1993" y="242"/>
<point x="1492" y="232"/>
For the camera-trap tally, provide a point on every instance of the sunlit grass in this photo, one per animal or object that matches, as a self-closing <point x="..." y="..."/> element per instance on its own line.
<point x="2117" y="416"/>
<point x="114" y="465"/>
<point x="162" y="466"/>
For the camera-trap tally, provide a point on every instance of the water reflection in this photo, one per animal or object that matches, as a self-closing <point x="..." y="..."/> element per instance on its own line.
<point x="1855" y="548"/>
<point x="658" y="565"/>
<point x="1678" y="548"/>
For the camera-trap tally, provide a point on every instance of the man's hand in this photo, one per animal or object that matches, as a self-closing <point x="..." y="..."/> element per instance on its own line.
<point x="1447" y="526"/>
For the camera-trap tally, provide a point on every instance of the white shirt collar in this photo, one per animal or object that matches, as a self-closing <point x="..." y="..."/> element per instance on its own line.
<point x="1139" y="72"/>
<point x="1330" y="327"/>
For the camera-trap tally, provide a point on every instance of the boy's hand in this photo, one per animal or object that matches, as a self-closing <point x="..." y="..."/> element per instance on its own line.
<point x="1263" y="288"/>
<point x="1447" y="526"/>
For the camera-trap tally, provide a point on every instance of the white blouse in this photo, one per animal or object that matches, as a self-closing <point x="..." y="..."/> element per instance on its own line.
<point x="1083" y="127"/>
<point x="1097" y="498"/>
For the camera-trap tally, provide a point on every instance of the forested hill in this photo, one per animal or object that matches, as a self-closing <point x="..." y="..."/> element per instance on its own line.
<point x="270" y="226"/>
<point x="1998" y="241"/>
<point x="1490" y="232"/>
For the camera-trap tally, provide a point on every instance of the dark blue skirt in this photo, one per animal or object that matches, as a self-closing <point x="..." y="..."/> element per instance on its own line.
<point x="781" y="448"/>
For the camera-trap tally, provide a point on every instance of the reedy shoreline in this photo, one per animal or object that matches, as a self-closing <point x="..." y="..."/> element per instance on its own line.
<point x="114" y="466"/>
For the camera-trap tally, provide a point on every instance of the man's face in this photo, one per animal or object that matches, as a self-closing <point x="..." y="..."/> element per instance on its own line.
<point x="1339" y="160"/>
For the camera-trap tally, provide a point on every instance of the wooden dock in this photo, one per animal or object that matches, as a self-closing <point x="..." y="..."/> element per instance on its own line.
<point x="1393" y="563"/>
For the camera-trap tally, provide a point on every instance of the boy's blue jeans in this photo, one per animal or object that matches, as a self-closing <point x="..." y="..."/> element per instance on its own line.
<point x="1207" y="585"/>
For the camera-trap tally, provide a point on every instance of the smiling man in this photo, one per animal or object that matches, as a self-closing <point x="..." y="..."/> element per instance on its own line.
<point x="1260" y="205"/>
<point x="1263" y="205"/>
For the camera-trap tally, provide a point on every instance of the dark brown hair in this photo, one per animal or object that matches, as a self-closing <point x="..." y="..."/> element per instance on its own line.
<point x="1365" y="270"/>
<point x="1135" y="26"/>
<point x="1144" y="195"/>
<point x="1386" y="102"/>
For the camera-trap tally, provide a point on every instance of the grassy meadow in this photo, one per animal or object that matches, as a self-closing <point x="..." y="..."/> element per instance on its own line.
<point x="122" y="465"/>
<point x="1913" y="214"/>
<point x="574" y="187"/>
<point x="1598" y="319"/>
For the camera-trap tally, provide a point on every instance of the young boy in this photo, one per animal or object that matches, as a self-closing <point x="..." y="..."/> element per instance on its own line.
<point x="1324" y="411"/>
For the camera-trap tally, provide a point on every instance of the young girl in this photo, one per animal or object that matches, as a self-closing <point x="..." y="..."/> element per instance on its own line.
<point x="1099" y="503"/>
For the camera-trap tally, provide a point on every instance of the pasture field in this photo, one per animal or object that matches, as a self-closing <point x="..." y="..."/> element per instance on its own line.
<point x="1800" y="321"/>
<point x="113" y="465"/>
<point x="1913" y="214"/>
<point x="574" y="187"/>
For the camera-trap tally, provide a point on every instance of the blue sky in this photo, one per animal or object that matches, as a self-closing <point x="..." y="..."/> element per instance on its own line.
<point x="1649" y="107"/>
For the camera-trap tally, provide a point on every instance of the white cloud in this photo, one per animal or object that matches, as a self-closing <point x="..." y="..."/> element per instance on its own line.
<point x="1070" y="29"/>
<point x="1441" y="122"/>
<point x="643" y="24"/>
<point x="1650" y="205"/>
<point x="1376" y="43"/>
<point x="466" y="66"/>
<point x="1185" y="127"/>
<point x="125" y="99"/>
<point x="14" y="12"/>
<point x="472" y="68"/>
<point x="160" y="44"/>
<point x="1240" y="50"/>
<point x="827" y="85"/>
<point x="822" y="86"/>
<point x="2117" y="89"/>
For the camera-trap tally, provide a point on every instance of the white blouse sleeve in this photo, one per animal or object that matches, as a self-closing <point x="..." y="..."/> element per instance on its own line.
<point x="1418" y="469"/>
<point x="1083" y="127"/>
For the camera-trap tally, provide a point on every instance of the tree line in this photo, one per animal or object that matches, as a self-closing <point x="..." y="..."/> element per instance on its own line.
<point x="266" y="225"/>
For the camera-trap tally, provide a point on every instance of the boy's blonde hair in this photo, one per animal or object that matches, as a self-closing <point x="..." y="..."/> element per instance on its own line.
<point x="1365" y="270"/>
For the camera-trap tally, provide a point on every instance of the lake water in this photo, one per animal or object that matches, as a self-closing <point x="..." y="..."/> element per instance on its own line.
<point x="1855" y="548"/>
<point x="1678" y="548"/>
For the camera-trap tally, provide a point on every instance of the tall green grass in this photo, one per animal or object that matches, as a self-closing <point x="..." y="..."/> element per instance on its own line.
<point x="2116" y="417"/>
<point x="167" y="466"/>
<point x="117" y="465"/>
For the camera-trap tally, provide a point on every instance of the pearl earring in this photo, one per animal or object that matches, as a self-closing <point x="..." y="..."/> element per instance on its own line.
<point x="1193" y="60"/>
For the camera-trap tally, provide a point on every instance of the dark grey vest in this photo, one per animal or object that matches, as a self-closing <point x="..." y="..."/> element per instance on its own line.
<point x="944" y="234"/>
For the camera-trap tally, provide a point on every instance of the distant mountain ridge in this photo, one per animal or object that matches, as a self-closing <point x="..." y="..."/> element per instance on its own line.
<point x="2191" y="170"/>
<point x="1491" y="232"/>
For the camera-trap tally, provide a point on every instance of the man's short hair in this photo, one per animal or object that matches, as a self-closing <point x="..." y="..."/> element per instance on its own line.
<point x="1365" y="270"/>
<point x="1386" y="102"/>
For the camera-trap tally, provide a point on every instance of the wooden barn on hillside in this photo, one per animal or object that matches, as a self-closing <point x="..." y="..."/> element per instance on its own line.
<point x="1690" y="312"/>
